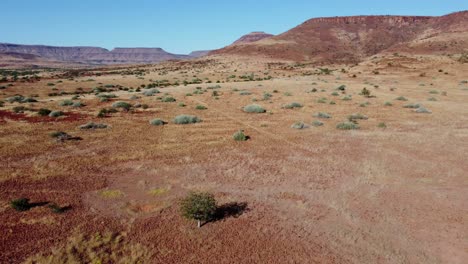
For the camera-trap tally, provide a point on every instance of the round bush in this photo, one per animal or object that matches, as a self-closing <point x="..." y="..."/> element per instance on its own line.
<point x="121" y="104"/>
<point x="322" y="115"/>
<point x="186" y="119"/>
<point x="92" y="125"/>
<point x="317" y="123"/>
<point x="239" y="136"/>
<point x="56" y="113"/>
<point x="299" y="125"/>
<point x="157" y="122"/>
<point x="347" y="126"/>
<point x="292" y="105"/>
<point x="253" y="108"/>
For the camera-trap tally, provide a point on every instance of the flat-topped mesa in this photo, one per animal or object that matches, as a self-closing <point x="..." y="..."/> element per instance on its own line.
<point x="403" y="20"/>
<point x="137" y="50"/>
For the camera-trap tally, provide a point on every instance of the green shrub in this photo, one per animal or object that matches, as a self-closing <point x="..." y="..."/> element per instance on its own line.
<point x="21" y="204"/>
<point x="44" y="112"/>
<point x="298" y="125"/>
<point x="382" y="125"/>
<point x="347" y="126"/>
<point x="432" y="99"/>
<point x="355" y="117"/>
<point x="157" y="122"/>
<point x="121" y="104"/>
<point x="322" y="115"/>
<point x="293" y="105"/>
<point x="92" y="125"/>
<point x="78" y="104"/>
<point x="388" y="104"/>
<point x="19" y="109"/>
<point x="322" y="101"/>
<point x="151" y="92"/>
<point x="287" y="94"/>
<point x="199" y="206"/>
<point x="414" y="106"/>
<point x="317" y="123"/>
<point x="201" y="107"/>
<point x="240" y="136"/>
<point x="365" y="92"/>
<point x="168" y="99"/>
<point x="401" y="98"/>
<point x="186" y="119"/>
<point x="422" y="110"/>
<point x="245" y="93"/>
<point x="332" y="102"/>
<point x="181" y="104"/>
<point x="253" y="108"/>
<point x="66" y="103"/>
<point x="346" y="98"/>
<point x="56" y="113"/>
<point x="335" y="94"/>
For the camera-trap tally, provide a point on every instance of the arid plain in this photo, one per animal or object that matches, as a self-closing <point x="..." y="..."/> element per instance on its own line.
<point x="393" y="190"/>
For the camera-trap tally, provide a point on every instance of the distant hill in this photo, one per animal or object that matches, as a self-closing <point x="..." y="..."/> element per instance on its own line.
<point x="93" y="55"/>
<point x="252" y="37"/>
<point x="350" y="39"/>
<point x="199" y="53"/>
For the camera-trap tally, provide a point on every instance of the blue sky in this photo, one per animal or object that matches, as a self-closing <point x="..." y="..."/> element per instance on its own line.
<point x="181" y="26"/>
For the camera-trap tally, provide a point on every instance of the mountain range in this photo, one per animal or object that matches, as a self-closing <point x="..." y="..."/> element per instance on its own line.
<point x="322" y="40"/>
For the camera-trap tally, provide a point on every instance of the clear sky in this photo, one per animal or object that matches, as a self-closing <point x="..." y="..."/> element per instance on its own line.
<point x="181" y="26"/>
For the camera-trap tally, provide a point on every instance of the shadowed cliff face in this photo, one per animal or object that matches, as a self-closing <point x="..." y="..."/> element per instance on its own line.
<point x="351" y="39"/>
<point x="93" y="54"/>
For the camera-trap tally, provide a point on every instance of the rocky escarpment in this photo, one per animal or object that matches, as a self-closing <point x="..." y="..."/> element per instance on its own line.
<point x="93" y="55"/>
<point x="351" y="39"/>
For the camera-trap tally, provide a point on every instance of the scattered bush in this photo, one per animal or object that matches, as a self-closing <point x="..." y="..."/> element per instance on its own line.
<point x="121" y="104"/>
<point x="365" y="92"/>
<point x="299" y="125"/>
<point x="388" y="104"/>
<point x="240" y="136"/>
<point x="20" y="99"/>
<point x="253" y="108"/>
<point x="401" y="98"/>
<point x="382" y="125"/>
<point x="44" y="112"/>
<point x="422" y="110"/>
<point x="322" y="115"/>
<point x="181" y="104"/>
<point x="317" y="123"/>
<point x="157" y="122"/>
<point x="201" y="107"/>
<point x="66" y="103"/>
<point x="335" y="94"/>
<point x="92" y="125"/>
<point x="186" y="119"/>
<point x="433" y="99"/>
<point x="293" y="105"/>
<point x="78" y="104"/>
<point x="199" y="206"/>
<point x="414" y="106"/>
<point x="245" y="93"/>
<point x="354" y="117"/>
<point x="347" y="126"/>
<point x="21" y="204"/>
<point x="151" y="92"/>
<point x="168" y="99"/>
<point x="19" y="109"/>
<point x="56" y="113"/>
<point x="322" y="101"/>
<point x="346" y="98"/>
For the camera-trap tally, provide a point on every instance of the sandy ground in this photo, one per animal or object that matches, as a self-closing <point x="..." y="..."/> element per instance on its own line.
<point x="317" y="195"/>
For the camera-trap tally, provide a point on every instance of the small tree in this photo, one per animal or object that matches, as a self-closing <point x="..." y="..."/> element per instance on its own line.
<point x="200" y="206"/>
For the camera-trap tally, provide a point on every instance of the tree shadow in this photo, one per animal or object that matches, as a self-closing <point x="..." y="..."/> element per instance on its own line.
<point x="233" y="209"/>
